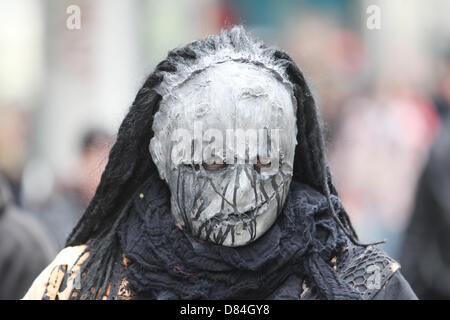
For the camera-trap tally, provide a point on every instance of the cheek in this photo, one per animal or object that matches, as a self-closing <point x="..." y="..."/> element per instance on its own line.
<point x="275" y="188"/>
<point x="198" y="195"/>
<point x="214" y="194"/>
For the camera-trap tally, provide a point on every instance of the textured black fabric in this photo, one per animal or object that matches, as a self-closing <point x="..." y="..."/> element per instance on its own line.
<point x="166" y="263"/>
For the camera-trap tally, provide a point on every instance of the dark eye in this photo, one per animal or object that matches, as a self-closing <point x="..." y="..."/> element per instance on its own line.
<point x="214" y="166"/>
<point x="259" y="165"/>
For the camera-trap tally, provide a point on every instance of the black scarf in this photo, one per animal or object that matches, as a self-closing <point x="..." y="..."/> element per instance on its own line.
<point x="167" y="263"/>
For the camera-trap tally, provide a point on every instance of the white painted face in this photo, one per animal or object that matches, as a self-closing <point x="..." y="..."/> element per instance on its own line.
<point x="224" y="142"/>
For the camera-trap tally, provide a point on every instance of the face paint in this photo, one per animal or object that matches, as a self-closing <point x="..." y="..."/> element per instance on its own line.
<point x="224" y="142"/>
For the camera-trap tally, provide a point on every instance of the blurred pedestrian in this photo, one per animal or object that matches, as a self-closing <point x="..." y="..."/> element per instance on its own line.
<point x="25" y="247"/>
<point x="426" y="249"/>
<point x="426" y="246"/>
<point x="71" y="195"/>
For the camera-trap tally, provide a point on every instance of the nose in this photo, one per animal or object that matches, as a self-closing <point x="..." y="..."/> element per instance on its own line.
<point x="245" y="196"/>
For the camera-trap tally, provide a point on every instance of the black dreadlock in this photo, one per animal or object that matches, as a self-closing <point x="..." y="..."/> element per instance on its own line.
<point x="130" y="163"/>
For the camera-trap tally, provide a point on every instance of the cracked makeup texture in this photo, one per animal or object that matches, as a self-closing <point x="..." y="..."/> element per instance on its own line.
<point x="235" y="202"/>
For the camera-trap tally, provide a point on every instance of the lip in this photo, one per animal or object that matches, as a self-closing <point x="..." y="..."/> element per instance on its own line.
<point x="245" y="217"/>
<point x="229" y="223"/>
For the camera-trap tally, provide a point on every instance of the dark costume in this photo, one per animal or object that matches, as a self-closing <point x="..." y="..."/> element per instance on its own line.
<point x="132" y="247"/>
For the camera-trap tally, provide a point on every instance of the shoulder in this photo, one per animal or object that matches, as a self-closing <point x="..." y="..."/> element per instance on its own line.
<point x="372" y="272"/>
<point x="65" y="266"/>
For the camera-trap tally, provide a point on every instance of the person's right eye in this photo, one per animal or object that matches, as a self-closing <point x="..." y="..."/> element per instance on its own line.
<point x="214" y="166"/>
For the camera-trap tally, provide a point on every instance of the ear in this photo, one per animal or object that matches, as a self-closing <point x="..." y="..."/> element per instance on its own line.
<point x="158" y="157"/>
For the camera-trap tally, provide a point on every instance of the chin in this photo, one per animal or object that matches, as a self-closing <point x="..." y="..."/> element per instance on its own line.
<point x="239" y="230"/>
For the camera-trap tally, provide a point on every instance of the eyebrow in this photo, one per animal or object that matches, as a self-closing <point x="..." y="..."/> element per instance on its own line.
<point x="253" y="92"/>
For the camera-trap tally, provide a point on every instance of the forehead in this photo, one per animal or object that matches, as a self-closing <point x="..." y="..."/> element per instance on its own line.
<point x="232" y="95"/>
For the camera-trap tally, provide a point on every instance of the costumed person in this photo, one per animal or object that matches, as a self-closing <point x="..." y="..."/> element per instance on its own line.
<point x="185" y="211"/>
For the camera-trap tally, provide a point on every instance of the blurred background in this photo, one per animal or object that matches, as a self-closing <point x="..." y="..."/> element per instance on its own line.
<point x="380" y="75"/>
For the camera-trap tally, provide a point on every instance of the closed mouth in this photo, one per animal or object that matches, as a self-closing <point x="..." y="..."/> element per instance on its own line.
<point x="246" y="216"/>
